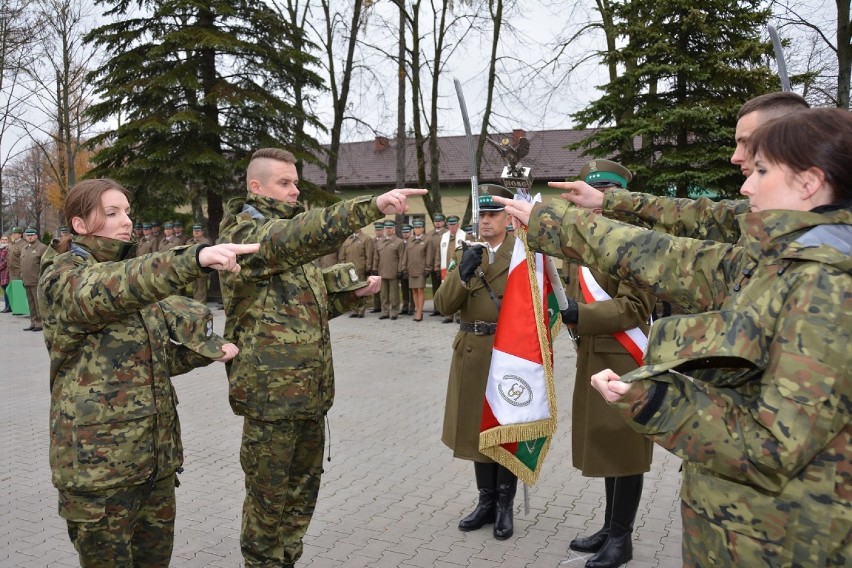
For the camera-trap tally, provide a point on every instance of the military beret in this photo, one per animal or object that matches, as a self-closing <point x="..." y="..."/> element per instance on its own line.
<point x="197" y="228"/>
<point x="489" y="190"/>
<point x="342" y="278"/>
<point x="16" y="230"/>
<point x="146" y="225"/>
<point x="452" y="220"/>
<point x="389" y="224"/>
<point x="437" y="217"/>
<point x="30" y="231"/>
<point x="723" y="348"/>
<point x="406" y="228"/>
<point x="604" y="173"/>
<point x="167" y="225"/>
<point x="417" y="223"/>
<point x="190" y="324"/>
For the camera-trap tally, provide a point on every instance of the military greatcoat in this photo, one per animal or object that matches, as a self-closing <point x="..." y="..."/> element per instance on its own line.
<point x="358" y="249"/>
<point x="471" y="353"/>
<point x="603" y="444"/>
<point x="764" y="426"/>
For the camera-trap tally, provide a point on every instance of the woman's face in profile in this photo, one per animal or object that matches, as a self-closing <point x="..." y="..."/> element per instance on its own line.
<point x="772" y="186"/>
<point x="112" y="222"/>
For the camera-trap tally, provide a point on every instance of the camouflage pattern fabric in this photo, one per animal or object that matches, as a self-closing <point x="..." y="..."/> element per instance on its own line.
<point x="113" y="421"/>
<point x="126" y="527"/>
<point x="767" y="462"/>
<point x="285" y="454"/>
<point x="699" y="218"/>
<point x="277" y="309"/>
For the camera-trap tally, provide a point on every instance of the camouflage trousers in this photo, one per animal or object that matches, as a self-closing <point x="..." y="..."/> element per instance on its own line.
<point x="282" y="462"/>
<point x="122" y="528"/>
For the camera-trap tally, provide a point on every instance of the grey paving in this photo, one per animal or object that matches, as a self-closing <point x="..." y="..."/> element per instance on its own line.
<point x="391" y="495"/>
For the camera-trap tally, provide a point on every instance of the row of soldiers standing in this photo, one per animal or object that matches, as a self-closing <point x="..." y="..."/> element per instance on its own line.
<point x="150" y="238"/>
<point x="404" y="263"/>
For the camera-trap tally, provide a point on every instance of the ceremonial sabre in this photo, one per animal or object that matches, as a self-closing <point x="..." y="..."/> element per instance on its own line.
<point x="474" y="183"/>
<point x="779" y="59"/>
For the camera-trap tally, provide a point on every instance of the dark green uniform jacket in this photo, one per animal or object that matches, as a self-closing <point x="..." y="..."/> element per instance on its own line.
<point x="471" y="352"/>
<point x="113" y="421"/>
<point x="278" y="307"/>
<point x="768" y="452"/>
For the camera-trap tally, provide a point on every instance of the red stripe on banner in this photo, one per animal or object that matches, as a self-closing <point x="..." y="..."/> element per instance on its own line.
<point x="488" y="419"/>
<point x="519" y="337"/>
<point x="512" y="448"/>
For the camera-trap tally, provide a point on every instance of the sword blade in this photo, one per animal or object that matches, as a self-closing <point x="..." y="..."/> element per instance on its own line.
<point x="474" y="183"/>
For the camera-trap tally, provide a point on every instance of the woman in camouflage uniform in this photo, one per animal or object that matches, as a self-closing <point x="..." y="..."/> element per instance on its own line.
<point x="114" y="434"/>
<point x="762" y="420"/>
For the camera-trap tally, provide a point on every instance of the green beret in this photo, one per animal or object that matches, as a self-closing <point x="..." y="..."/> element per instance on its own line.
<point x="604" y="173"/>
<point x="30" y="231"/>
<point x="342" y="278"/>
<point x="452" y="220"/>
<point x="487" y="191"/>
<point x="389" y="224"/>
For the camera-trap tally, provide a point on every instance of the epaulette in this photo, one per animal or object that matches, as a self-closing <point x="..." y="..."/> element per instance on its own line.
<point x="77" y="250"/>
<point x="252" y="212"/>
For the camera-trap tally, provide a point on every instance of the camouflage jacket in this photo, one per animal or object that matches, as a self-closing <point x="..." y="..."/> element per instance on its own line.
<point x="699" y="218"/>
<point x="113" y="421"/>
<point x="278" y="307"/>
<point x="768" y="456"/>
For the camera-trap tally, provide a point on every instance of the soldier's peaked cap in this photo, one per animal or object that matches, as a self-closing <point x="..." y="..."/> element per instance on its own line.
<point x="389" y="224"/>
<point x="487" y="191"/>
<point x="190" y="324"/>
<point x="604" y="173"/>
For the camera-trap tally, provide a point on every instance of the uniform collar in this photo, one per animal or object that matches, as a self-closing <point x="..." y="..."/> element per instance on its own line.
<point x="101" y="248"/>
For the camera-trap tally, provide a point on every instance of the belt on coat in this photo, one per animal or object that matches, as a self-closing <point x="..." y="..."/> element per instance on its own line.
<point x="479" y="327"/>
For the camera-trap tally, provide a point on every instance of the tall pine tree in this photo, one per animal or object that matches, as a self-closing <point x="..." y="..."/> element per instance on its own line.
<point x="686" y="67"/>
<point x="194" y="88"/>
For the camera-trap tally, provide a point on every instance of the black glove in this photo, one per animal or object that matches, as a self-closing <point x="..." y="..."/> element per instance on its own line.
<point x="405" y="275"/>
<point x="470" y="261"/>
<point x="571" y="314"/>
<point x="427" y="273"/>
<point x="399" y="275"/>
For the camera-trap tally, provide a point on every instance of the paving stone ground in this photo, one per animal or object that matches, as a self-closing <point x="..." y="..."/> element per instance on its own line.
<point x="391" y="494"/>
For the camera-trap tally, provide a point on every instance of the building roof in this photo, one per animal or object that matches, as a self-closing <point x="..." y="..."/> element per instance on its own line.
<point x="373" y="163"/>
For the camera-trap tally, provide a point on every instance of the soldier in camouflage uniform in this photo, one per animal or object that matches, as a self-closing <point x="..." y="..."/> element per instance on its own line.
<point x="277" y="309"/>
<point x="696" y="218"/>
<point x="762" y="418"/>
<point x="114" y="434"/>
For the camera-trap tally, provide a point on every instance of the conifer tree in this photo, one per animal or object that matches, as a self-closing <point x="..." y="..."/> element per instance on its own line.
<point x="686" y="68"/>
<point x="193" y="88"/>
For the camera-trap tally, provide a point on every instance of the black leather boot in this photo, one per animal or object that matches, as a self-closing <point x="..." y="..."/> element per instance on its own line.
<point x="507" y="484"/>
<point x="618" y="548"/>
<point x="594" y="542"/>
<point x="486" y="480"/>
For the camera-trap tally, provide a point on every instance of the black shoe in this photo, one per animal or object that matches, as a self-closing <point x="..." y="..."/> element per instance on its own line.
<point x="374" y="311"/>
<point x="403" y="312"/>
<point x="384" y="317"/>
<point x="447" y="320"/>
<point x="591" y="543"/>
<point x="483" y="514"/>
<point x="360" y="315"/>
<point x="393" y="317"/>
<point x="433" y="314"/>
<point x="36" y="328"/>
<point x="6" y="311"/>
<point x="353" y="315"/>
<point x="28" y="328"/>
<point x="617" y="550"/>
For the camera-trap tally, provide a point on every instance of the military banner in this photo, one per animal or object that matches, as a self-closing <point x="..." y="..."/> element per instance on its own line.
<point x="519" y="413"/>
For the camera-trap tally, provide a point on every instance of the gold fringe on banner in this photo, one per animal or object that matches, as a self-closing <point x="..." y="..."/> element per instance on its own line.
<point x="491" y="440"/>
